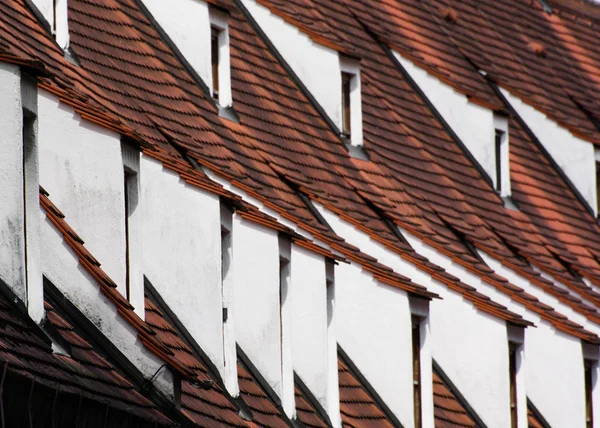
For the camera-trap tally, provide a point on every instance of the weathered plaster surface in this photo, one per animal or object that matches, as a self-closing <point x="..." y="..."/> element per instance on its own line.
<point x="256" y="298"/>
<point x="12" y="244"/>
<point x="82" y="169"/>
<point x="61" y="266"/>
<point x="182" y="252"/>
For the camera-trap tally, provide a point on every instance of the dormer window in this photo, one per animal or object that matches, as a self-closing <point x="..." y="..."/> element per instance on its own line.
<point x="589" y="389"/>
<point x="416" y="358"/>
<point x="350" y="120"/>
<point x="214" y="61"/>
<point x="501" y="177"/>
<point x="220" y="82"/>
<point x="346" y="112"/>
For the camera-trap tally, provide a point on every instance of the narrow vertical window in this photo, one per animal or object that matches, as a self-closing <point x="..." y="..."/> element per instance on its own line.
<point x="225" y="266"/>
<point x="214" y="54"/>
<point x="128" y="184"/>
<point x="416" y="357"/>
<point x="589" y="407"/>
<point x="498" y="152"/>
<point x="512" y="370"/>
<point x="346" y="106"/>
<point x="598" y="189"/>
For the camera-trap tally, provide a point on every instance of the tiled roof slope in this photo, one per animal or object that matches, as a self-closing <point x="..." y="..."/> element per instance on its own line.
<point x="305" y="411"/>
<point x="550" y="204"/>
<point x="155" y="94"/>
<point x="83" y="373"/>
<point x="418" y="170"/>
<point x="214" y="408"/>
<point x="205" y="407"/>
<point x="447" y="409"/>
<point x="358" y="408"/>
<point x="254" y="155"/>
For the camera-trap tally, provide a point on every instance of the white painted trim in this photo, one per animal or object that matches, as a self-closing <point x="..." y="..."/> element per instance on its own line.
<point x="220" y="20"/>
<point x="288" y="398"/>
<point x="131" y="166"/>
<point x="230" y="374"/>
<point x="61" y="26"/>
<point x="501" y="125"/>
<point x="352" y="67"/>
<point x="333" y="390"/>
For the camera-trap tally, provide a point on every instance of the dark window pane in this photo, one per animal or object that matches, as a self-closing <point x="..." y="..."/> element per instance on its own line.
<point x="346" y="116"/>
<point x="214" y="51"/>
<point x="416" y="354"/>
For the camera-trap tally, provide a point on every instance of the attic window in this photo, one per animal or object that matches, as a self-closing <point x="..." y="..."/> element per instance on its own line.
<point x="501" y="155"/>
<point x="346" y="122"/>
<point x="214" y="61"/>
<point x="512" y="369"/>
<point x="589" y="388"/>
<point x="597" y="189"/>
<point x="416" y="358"/>
<point x="220" y="81"/>
<point x="350" y="119"/>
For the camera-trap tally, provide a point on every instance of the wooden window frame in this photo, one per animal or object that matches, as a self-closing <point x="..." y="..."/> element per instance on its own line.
<point x="588" y="367"/>
<point x="347" y="104"/>
<point x="513" y="349"/>
<point x="215" y="57"/>
<point x="416" y="359"/>
<point x="498" y="140"/>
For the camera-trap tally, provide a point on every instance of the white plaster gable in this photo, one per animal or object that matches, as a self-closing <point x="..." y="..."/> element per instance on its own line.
<point x="554" y="399"/>
<point x="82" y="169"/>
<point x="472" y="123"/>
<point x="187" y="23"/>
<point x="470" y="345"/>
<point x="574" y="156"/>
<point x="182" y="254"/>
<point x="51" y="9"/>
<point x="318" y="67"/>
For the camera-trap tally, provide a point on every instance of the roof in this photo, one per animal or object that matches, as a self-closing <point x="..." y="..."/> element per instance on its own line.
<point x="358" y="407"/>
<point x="418" y="176"/>
<point x="448" y="411"/>
<point x="256" y="149"/>
<point x="84" y="373"/>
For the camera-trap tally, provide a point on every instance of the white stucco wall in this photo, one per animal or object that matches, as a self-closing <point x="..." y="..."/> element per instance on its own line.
<point x="374" y="329"/>
<point x="555" y="377"/>
<point x="12" y="244"/>
<point x="187" y="24"/>
<point x="309" y="322"/>
<point x="182" y="252"/>
<point x="256" y="298"/>
<point x="572" y="154"/>
<point x="473" y="124"/>
<point x="539" y="342"/>
<point x="317" y="66"/>
<point x="82" y="169"/>
<point x="61" y="266"/>
<point x="469" y="345"/>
